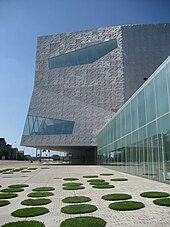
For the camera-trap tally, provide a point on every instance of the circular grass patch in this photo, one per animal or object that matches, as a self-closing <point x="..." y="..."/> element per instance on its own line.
<point x="4" y="203"/>
<point x="12" y="190"/>
<point x="78" y="209"/>
<point x="40" y="194"/>
<point x="96" y="180"/>
<point x="25" y="171"/>
<point x="83" y="222"/>
<point x="92" y="176"/>
<point x="7" y="195"/>
<point x="24" y="224"/>
<point x="30" y="212"/>
<point x="18" y="186"/>
<point x="126" y="206"/>
<point x="72" y="184"/>
<point x="35" y="202"/>
<point x="154" y="194"/>
<point x="106" y="174"/>
<point x="73" y="187"/>
<point x="103" y="186"/>
<point x="76" y="199"/>
<point x="70" y="179"/>
<point x="119" y="179"/>
<point x="99" y="183"/>
<point x="114" y="197"/>
<point x="162" y="202"/>
<point x="43" y="189"/>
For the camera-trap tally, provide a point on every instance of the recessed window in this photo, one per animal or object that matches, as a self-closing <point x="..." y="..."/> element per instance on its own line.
<point x="83" y="56"/>
<point x="47" y="126"/>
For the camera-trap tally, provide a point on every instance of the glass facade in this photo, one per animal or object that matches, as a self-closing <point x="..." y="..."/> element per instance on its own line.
<point x="83" y="56"/>
<point x="47" y="126"/>
<point x="137" y="139"/>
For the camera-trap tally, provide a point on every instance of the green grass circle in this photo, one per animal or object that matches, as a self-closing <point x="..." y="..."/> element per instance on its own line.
<point x="35" y="202"/>
<point x="43" y="189"/>
<point x="119" y="179"/>
<point x="154" y="194"/>
<point x="72" y="184"/>
<point x="96" y="180"/>
<point x="83" y="222"/>
<point x="70" y="179"/>
<point x="106" y="174"/>
<point x="7" y="195"/>
<point x="40" y="194"/>
<point x="12" y="190"/>
<point x="18" y="186"/>
<point x="30" y="212"/>
<point x="99" y="183"/>
<point x="162" y="202"/>
<point x="24" y="224"/>
<point x="78" y="209"/>
<point x="114" y="197"/>
<point x="103" y="186"/>
<point x="4" y="203"/>
<point x="126" y="205"/>
<point x="76" y="199"/>
<point x="73" y="187"/>
<point x="92" y="176"/>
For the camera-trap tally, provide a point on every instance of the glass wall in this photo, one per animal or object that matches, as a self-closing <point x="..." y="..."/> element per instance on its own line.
<point x="83" y="56"/>
<point x="47" y="126"/>
<point x="137" y="139"/>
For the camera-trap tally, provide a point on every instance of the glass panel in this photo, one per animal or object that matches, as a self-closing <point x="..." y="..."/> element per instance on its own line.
<point x="47" y="126"/>
<point x="150" y="101"/>
<point x="128" y="118"/>
<point x="141" y="109"/>
<point x="161" y="93"/>
<point x="134" y="113"/>
<point x="83" y="56"/>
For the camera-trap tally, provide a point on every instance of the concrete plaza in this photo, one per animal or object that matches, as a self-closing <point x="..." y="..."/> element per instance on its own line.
<point x="150" y="216"/>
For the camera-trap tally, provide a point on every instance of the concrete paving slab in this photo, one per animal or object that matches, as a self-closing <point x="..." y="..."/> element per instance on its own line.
<point x="150" y="216"/>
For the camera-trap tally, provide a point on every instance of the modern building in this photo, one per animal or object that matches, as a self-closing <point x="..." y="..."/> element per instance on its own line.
<point x="83" y="78"/>
<point x="137" y="139"/>
<point x="6" y="151"/>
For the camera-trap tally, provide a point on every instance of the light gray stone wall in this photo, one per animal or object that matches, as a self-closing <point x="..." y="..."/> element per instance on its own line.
<point x="87" y="94"/>
<point x="145" y="47"/>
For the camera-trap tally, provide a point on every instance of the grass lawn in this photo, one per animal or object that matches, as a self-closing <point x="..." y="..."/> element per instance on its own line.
<point x="154" y="194"/>
<point x="83" y="222"/>
<point x="78" y="209"/>
<point x="4" y="203"/>
<point x="24" y="224"/>
<point x="76" y="199"/>
<point x="114" y="197"/>
<point x="126" y="206"/>
<point x="7" y="195"/>
<point x="43" y="189"/>
<point x="30" y="212"/>
<point x="162" y="202"/>
<point x="40" y="194"/>
<point x="35" y="202"/>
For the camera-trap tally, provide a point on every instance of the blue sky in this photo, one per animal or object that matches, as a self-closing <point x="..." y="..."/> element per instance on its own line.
<point x="21" y="21"/>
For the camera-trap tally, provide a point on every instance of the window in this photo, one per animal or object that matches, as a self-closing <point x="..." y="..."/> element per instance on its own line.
<point x="47" y="126"/>
<point x="83" y="56"/>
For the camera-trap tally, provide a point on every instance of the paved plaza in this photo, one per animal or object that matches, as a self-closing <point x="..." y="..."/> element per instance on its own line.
<point x="150" y="216"/>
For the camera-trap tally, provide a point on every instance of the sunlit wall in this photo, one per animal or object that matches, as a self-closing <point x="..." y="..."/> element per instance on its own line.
<point x="137" y="139"/>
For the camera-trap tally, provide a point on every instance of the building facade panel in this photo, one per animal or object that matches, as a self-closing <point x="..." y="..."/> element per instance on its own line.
<point x="137" y="139"/>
